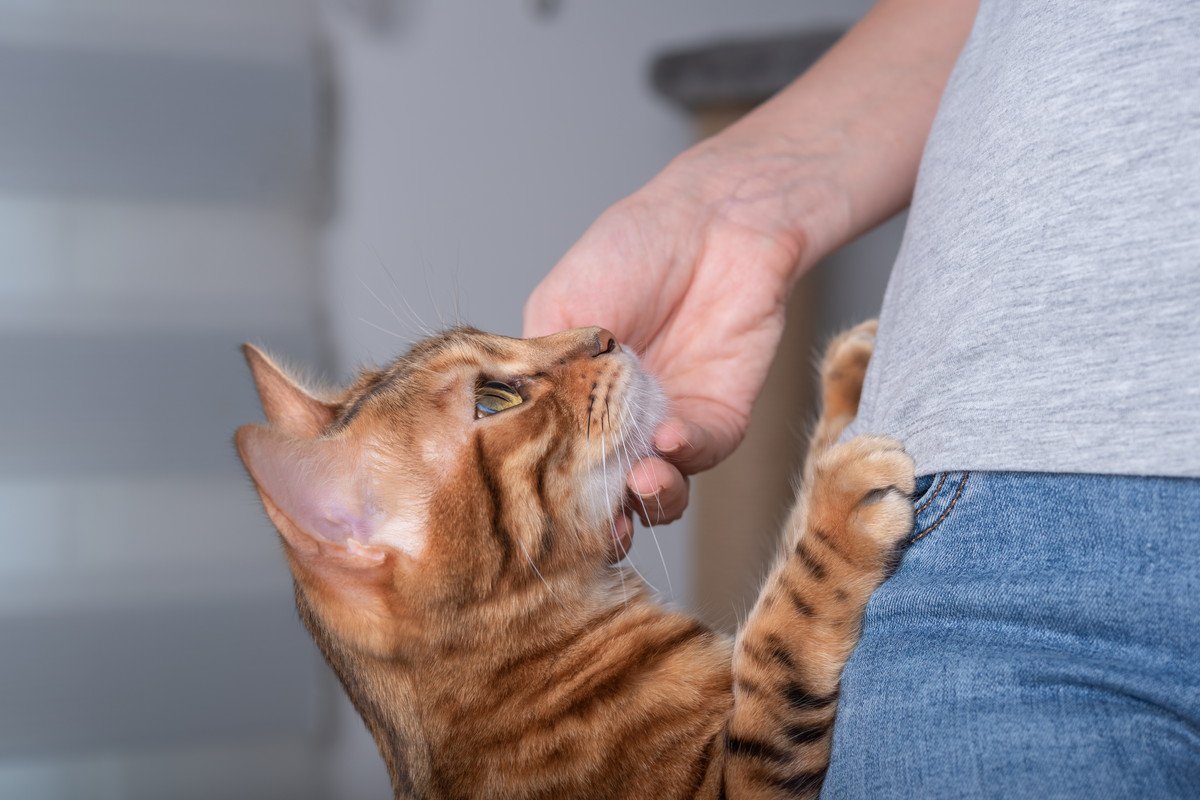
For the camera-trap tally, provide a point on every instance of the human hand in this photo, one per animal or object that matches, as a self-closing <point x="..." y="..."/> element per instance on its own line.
<point x="693" y="272"/>
<point x="694" y="269"/>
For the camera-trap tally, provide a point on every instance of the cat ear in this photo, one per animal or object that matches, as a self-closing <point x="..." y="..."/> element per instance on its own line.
<point x="286" y="403"/>
<point x="315" y="492"/>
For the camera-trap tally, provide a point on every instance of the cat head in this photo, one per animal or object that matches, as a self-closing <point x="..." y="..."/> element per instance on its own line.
<point x="468" y="469"/>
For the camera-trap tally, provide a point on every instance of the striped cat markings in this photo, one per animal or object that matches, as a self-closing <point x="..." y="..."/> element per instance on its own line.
<point x="448" y="523"/>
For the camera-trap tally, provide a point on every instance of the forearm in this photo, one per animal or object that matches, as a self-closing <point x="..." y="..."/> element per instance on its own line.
<point x="836" y="152"/>
<point x="694" y="269"/>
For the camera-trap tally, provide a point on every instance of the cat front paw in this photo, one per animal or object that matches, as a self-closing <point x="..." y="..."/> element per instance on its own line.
<point x="845" y="367"/>
<point x="862" y="489"/>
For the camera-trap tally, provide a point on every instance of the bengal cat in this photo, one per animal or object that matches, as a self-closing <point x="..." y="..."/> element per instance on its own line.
<point x="447" y="520"/>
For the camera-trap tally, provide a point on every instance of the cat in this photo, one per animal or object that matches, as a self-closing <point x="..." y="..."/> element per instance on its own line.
<point x="447" y="521"/>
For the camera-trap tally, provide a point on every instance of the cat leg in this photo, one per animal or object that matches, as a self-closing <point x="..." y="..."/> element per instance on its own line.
<point x="842" y="372"/>
<point x="843" y="533"/>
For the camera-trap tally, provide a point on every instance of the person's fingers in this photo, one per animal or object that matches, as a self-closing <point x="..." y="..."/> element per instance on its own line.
<point x="541" y="319"/>
<point x="659" y="491"/>
<point x="688" y="446"/>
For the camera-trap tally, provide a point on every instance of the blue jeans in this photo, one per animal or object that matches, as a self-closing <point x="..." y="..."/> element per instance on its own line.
<point x="1040" y="638"/>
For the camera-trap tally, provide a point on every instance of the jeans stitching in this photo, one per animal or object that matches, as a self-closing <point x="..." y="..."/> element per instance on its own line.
<point x="934" y="495"/>
<point x="946" y="513"/>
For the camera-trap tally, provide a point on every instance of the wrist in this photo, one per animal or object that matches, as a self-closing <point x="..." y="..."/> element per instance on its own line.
<point x="783" y="186"/>
<point x="836" y="152"/>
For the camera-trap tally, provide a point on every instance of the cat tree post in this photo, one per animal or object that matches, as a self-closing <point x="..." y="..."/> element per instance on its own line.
<point x="740" y="504"/>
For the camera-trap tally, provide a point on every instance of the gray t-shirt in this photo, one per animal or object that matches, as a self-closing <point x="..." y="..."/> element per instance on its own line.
<point x="1044" y="310"/>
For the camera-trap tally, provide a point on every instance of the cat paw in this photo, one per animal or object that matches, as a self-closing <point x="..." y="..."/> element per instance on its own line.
<point x="845" y="366"/>
<point x="864" y="488"/>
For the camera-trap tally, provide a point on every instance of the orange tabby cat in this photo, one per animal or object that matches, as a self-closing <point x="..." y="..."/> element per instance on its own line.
<point x="447" y="522"/>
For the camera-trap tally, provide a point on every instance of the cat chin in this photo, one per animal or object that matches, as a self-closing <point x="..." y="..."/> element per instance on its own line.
<point x="645" y="408"/>
<point x="610" y="486"/>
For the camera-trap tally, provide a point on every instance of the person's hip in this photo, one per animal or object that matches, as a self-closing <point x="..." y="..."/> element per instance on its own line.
<point x="1040" y="637"/>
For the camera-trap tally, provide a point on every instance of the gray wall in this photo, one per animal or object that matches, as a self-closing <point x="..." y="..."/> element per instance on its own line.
<point x="172" y="183"/>
<point x="159" y="168"/>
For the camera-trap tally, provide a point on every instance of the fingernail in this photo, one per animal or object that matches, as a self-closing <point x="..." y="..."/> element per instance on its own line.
<point x="639" y="482"/>
<point x="669" y="442"/>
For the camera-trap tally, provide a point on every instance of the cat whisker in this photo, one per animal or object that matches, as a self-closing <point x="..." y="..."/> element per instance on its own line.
<point x="432" y="299"/>
<point x="379" y="300"/>
<point x="414" y="320"/>
<point x="648" y="448"/>
<point x="657" y="544"/>
<point x="617" y="453"/>
<point x="382" y="329"/>
<point x="612" y="524"/>
<point x="591" y="463"/>
<point x="623" y="448"/>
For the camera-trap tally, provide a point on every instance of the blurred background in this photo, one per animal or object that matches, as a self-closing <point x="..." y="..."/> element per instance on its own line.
<point x="325" y="178"/>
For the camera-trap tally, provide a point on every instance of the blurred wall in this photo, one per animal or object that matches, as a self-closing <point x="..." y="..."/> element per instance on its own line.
<point x="159" y="181"/>
<point x="176" y="177"/>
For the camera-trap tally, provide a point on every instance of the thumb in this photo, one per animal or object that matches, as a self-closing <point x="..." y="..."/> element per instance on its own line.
<point x="692" y="447"/>
<point x="541" y="318"/>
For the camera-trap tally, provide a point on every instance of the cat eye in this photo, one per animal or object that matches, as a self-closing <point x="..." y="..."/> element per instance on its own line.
<point x="492" y="397"/>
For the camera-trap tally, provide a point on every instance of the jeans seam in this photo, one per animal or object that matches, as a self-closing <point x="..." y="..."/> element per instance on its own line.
<point x="933" y="496"/>
<point x="929" y="528"/>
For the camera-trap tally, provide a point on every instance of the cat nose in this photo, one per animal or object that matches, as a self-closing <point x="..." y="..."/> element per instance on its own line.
<point x="604" y="342"/>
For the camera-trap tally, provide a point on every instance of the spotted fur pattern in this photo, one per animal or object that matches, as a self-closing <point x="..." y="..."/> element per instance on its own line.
<point x="457" y="575"/>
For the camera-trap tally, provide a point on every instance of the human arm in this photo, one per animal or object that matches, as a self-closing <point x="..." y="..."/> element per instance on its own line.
<point x="694" y="269"/>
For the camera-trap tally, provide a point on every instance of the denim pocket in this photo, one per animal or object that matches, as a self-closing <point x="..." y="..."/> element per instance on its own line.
<point x="936" y="497"/>
<point x="927" y="488"/>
